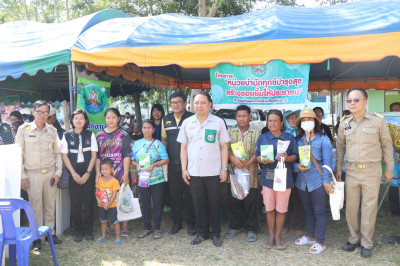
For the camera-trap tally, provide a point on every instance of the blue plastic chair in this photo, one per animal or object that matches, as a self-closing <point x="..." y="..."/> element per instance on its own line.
<point x="20" y="238"/>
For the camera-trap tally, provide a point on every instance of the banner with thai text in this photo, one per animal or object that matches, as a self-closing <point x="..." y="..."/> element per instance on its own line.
<point x="275" y="85"/>
<point x="93" y="97"/>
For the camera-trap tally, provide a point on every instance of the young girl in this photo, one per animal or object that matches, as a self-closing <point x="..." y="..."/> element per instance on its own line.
<point x="108" y="206"/>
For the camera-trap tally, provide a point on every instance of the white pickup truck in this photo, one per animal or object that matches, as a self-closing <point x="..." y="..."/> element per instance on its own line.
<point x="258" y="120"/>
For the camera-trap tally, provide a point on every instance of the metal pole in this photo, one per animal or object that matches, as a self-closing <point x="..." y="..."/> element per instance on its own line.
<point x="333" y="115"/>
<point x="71" y="93"/>
<point x="74" y="85"/>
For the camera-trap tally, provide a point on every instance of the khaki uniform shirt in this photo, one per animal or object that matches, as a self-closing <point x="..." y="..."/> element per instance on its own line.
<point x="203" y="144"/>
<point x="249" y="139"/>
<point x="364" y="141"/>
<point x="41" y="149"/>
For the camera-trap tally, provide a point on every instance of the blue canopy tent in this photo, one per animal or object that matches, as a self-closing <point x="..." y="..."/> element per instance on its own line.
<point x="35" y="58"/>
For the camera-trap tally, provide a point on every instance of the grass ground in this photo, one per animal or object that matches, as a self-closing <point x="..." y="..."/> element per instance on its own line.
<point x="176" y="250"/>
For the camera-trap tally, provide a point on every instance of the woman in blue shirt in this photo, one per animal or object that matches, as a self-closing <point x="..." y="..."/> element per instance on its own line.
<point x="276" y="203"/>
<point x="153" y="190"/>
<point x="314" y="182"/>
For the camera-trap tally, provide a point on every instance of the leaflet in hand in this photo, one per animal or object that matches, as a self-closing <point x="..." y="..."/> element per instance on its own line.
<point x="305" y="155"/>
<point x="144" y="160"/>
<point x="282" y="147"/>
<point x="267" y="151"/>
<point x="238" y="150"/>
<point x="103" y="196"/>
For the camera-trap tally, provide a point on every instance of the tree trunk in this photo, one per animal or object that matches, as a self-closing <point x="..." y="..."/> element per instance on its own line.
<point x="138" y="112"/>
<point x="67" y="9"/>
<point x="42" y="9"/>
<point x="213" y="11"/>
<point x="56" y="11"/>
<point x="23" y="4"/>
<point x="202" y="8"/>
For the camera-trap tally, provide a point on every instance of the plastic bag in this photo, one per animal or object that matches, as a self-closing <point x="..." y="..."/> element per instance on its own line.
<point x="240" y="183"/>
<point x="135" y="212"/>
<point x="144" y="178"/>
<point x="280" y="176"/>
<point x="126" y="204"/>
<point x="336" y="198"/>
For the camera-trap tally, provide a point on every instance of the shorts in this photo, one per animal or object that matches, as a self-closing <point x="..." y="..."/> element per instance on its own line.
<point x="110" y="213"/>
<point x="275" y="200"/>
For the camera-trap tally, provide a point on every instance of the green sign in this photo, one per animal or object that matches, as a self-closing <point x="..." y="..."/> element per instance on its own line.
<point x="93" y="97"/>
<point x="275" y="85"/>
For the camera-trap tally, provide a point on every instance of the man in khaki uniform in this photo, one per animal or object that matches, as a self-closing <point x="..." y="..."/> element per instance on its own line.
<point x="41" y="166"/>
<point x="365" y="139"/>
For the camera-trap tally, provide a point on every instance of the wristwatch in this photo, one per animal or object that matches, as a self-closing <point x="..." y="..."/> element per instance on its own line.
<point x="88" y="172"/>
<point x="224" y="168"/>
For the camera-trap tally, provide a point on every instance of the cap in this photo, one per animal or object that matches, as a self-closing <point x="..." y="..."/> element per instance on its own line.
<point x="307" y="113"/>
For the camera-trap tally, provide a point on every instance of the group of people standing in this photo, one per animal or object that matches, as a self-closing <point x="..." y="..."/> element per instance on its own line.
<point x="197" y="149"/>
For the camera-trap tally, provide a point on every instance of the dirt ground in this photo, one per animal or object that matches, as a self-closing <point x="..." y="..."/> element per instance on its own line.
<point x="176" y="250"/>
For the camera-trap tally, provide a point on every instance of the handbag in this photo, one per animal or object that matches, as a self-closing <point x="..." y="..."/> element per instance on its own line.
<point x="280" y="176"/>
<point x="336" y="198"/>
<point x="63" y="183"/>
<point x="134" y="208"/>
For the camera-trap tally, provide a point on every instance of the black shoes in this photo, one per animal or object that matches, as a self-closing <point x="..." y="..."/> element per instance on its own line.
<point x="198" y="240"/>
<point x="37" y="245"/>
<point x="350" y="247"/>
<point x="217" y="241"/>
<point x="56" y="240"/>
<point x="191" y="230"/>
<point x="77" y="238"/>
<point x="365" y="252"/>
<point x="175" y="229"/>
<point x="89" y="236"/>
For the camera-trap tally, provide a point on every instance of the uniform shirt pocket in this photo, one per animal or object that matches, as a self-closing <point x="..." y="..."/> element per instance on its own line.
<point x="47" y="143"/>
<point x="316" y="150"/>
<point x="32" y="143"/>
<point x="348" y="135"/>
<point x="371" y="135"/>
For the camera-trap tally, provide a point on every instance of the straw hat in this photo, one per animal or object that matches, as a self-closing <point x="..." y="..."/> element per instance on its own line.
<point x="307" y="113"/>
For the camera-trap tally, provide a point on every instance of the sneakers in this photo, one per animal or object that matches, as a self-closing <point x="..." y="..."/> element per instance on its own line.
<point x="124" y="232"/>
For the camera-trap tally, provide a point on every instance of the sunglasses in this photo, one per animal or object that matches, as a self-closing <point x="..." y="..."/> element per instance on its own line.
<point x="354" y="101"/>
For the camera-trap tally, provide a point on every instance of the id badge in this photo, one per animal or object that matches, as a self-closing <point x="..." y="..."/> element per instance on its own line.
<point x="210" y="135"/>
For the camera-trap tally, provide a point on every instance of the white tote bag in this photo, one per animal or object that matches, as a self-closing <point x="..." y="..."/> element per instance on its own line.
<point x="280" y="176"/>
<point x="132" y="205"/>
<point x="336" y="198"/>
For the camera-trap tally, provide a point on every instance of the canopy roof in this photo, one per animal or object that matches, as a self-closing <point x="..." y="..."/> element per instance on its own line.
<point x="28" y="46"/>
<point x="361" y="31"/>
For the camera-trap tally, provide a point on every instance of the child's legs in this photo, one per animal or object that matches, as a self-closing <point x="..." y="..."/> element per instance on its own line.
<point x="103" y="219"/>
<point x="103" y="229"/>
<point x="112" y="212"/>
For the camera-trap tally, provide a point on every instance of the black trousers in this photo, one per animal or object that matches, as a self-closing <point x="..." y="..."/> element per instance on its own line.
<point x="394" y="200"/>
<point x="180" y="196"/>
<point x="82" y="195"/>
<point x="295" y="211"/>
<point x="155" y="193"/>
<point x="206" y="200"/>
<point x="243" y="213"/>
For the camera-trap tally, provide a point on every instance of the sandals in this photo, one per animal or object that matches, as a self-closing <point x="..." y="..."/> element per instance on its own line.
<point x="144" y="233"/>
<point x="281" y="245"/>
<point x="268" y="245"/>
<point x="157" y="234"/>
<point x="302" y="241"/>
<point x="118" y="241"/>
<point x="316" y="249"/>
<point x="251" y="237"/>
<point x="101" y="240"/>
<point x="231" y="233"/>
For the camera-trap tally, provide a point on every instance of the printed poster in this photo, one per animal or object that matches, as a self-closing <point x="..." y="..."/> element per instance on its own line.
<point x="275" y="85"/>
<point x="93" y="97"/>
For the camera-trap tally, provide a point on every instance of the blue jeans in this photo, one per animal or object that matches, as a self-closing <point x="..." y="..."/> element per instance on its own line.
<point x="315" y="213"/>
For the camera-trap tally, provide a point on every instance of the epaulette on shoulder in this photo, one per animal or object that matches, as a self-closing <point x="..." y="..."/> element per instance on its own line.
<point x="344" y="117"/>
<point x="52" y="127"/>
<point x="379" y="115"/>
<point x="23" y="125"/>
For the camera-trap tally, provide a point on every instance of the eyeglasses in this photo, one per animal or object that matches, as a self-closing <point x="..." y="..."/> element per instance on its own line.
<point x="354" y="100"/>
<point x="176" y="103"/>
<point x="45" y="113"/>
<point x="79" y="119"/>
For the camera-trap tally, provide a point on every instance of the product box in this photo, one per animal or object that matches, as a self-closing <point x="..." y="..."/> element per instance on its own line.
<point x="238" y="150"/>
<point x="305" y="155"/>
<point x="144" y="160"/>
<point x="267" y="151"/>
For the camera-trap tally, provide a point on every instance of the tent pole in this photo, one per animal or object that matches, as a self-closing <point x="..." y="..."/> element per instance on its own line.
<point x="332" y="111"/>
<point x="71" y="93"/>
<point x="74" y="85"/>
